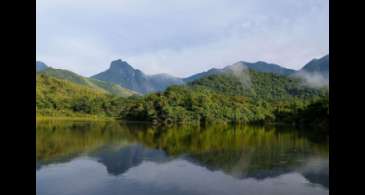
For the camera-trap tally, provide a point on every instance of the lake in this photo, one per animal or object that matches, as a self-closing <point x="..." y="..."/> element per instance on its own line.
<point x="129" y="158"/>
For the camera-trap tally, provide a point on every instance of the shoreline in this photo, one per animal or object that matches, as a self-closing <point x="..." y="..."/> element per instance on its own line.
<point x="74" y="118"/>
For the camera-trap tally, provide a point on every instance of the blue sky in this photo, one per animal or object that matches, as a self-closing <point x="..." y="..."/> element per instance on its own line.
<point x="179" y="37"/>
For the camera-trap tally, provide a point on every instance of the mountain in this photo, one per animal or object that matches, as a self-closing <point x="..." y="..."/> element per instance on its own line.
<point x="315" y="73"/>
<point x="40" y="66"/>
<point x="120" y="72"/>
<point x="320" y="66"/>
<point x="211" y="71"/>
<point x="93" y="83"/>
<point x="259" y="66"/>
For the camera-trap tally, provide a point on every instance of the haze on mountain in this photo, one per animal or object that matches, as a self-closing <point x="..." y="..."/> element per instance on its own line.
<point x="124" y="80"/>
<point x="316" y="72"/>
<point x="120" y="72"/>
<point x="259" y="66"/>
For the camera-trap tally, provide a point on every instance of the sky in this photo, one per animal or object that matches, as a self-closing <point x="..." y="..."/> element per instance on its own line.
<point x="179" y="37"/>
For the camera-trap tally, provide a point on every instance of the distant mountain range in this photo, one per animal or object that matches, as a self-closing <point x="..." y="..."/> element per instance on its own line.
<point x="315" y="72"/>
<point x="122" y="73"/>
<point x="101" y="86"/>
<point x="257" y="66"/>
<point x="128" y="80"/>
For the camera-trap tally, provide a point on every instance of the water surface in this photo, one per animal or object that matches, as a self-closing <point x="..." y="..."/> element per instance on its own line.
<point x="114" y="158"/>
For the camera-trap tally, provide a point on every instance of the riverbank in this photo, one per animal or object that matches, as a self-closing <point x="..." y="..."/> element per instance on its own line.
<point x="74" y="118"/>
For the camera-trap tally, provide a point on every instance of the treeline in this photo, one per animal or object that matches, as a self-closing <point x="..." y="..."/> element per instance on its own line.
<point x="185" y="104"/>
<point x="227" y="98"/>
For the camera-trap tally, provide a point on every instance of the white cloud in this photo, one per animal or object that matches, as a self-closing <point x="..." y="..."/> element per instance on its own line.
<point x="179" y="37"/>
<point x="313" y="79"/>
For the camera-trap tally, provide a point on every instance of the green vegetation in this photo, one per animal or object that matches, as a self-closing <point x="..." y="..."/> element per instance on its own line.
<point x="64" y="138"/>
<point x="251" y="97"/>
<point x="245" y="149"/>
<point x="56" y="97"/>
<point x="259" y="86"/>
<point x="314" y="116"/>
<point x="102" y="86"/>
<point x="222" y="146"/>
<point x="229" y="98"/>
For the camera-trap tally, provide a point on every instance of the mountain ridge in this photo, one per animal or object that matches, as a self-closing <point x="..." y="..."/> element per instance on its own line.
<point x="320" y="65"/>
<point x="123" y="74"/>
<point x="90" y="82"/>
<point x="126" y="76"/>
<point x="259" y="66"/>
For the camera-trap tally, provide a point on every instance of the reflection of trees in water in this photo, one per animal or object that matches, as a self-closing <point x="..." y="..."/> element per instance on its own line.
<point x="239" y="151"/>
<point x="64" y="139"/>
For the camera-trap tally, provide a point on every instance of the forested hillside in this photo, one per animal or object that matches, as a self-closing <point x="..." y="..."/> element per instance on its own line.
<point x="106" y="87"/>
<point x="56" y="97"/>
<point x="247" y="97"/>
<point x="258" y="85"/>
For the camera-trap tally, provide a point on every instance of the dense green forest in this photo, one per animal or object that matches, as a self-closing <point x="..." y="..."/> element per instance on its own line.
<point x="228" y="98"/>
<point x="247" y="97"/>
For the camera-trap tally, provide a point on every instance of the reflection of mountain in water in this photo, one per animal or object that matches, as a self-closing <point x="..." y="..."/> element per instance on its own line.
<point x="119" y="161"/>
<point x="318" y="173"/>
<point x="316" y="176"/>
<point x="241" y="152"/>
<point x="244" y="169"/>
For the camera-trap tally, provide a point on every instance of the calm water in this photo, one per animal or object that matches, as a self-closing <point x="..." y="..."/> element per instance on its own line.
<point x="111" y="158"/>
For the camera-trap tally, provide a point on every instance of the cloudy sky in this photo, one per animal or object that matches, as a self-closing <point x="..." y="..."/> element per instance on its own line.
<point x="179" y="37"/>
